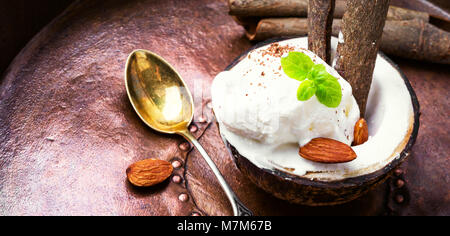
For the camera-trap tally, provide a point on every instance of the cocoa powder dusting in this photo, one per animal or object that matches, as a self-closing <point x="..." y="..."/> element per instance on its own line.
<point x="276" y="50"/>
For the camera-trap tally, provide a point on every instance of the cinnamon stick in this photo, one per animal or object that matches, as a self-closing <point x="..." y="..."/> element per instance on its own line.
<point x="299" y="8"/>
<point x="394" y="13"/>
<point x="413" y="39"/>
<point x="268" y="7"/>
<point x="416" y="39"/>
<point x="320" y="21"/>
<point x="398" y="13"/>
<point x="362" y="28"/>
<point x="339" y="8"/>
<point x="247" y="22"/>
<point x="280" y="27"/>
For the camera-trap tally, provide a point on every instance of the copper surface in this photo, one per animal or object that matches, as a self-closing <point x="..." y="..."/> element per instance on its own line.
<point x="68" y="132"/>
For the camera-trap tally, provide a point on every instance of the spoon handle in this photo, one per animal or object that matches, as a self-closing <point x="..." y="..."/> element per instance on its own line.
<point x="238" y="207"/>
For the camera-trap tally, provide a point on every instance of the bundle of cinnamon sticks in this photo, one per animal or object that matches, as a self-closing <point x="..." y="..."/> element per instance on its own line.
<point x="406" y="33"/>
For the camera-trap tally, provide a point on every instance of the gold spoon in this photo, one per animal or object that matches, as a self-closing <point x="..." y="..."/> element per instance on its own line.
<point x="163" y="101"/>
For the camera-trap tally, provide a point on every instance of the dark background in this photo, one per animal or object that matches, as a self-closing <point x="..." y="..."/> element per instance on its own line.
<point x="22" y="19"/>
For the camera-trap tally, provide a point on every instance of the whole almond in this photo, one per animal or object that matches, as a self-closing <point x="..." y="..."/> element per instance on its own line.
<point x="325" y="150"/>
<point x="361" y="133"/>
<point x="149" y="172"/>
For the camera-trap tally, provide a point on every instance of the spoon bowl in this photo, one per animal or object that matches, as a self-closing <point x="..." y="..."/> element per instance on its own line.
<point x="158" y="93"/>
<point x="163" y="101"/>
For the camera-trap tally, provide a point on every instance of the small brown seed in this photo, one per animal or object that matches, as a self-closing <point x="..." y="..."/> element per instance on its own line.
<point x="361" y="132"/>
<point x="325" y="150"/>
<point x="149" y="172"/>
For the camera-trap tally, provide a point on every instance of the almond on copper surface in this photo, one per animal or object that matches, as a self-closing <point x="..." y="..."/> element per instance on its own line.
<point x="149" y="172"/>
<point x="325" y="150"/>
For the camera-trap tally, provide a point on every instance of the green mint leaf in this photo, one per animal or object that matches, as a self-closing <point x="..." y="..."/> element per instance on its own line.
<point x="297" y="65"/>
<point x="326" y="87"/>
<point x="318" y="72"/>
<point x="328" y="91"/>
<point x="306" y="90"/>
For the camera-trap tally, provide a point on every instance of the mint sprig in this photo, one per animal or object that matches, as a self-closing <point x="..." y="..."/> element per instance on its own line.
<point x="315" y="79"/>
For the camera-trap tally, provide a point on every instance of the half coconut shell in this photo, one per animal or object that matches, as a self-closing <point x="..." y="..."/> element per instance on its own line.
<point x="305" y="189"/>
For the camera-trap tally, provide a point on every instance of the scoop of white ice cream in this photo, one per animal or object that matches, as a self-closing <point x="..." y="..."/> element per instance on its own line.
<point x="257" y="100"/>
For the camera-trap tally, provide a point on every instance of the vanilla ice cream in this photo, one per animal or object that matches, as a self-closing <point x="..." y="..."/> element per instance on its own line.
<point x="258" y="112"/>
<point x="259" y="101"/>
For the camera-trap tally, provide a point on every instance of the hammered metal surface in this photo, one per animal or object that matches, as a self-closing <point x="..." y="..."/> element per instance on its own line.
<point x="426" y="174"/>
<point x="68" y="131"/>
